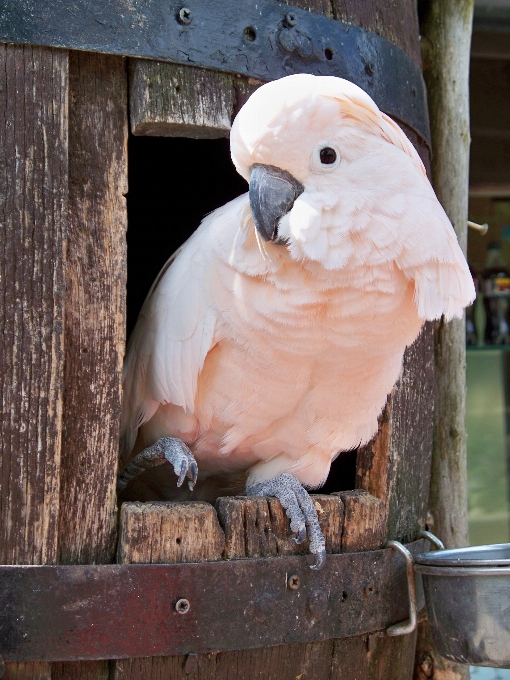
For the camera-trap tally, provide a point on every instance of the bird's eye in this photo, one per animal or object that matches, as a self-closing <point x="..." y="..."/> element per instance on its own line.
<point x="327" y="155"/>
<point x="325" y="158"/>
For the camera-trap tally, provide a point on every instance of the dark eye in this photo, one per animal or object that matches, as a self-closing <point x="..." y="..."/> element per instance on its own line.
<point x="327" y="155"/>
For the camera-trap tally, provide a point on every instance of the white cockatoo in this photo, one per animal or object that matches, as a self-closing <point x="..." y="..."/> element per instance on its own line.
<point x="272" y="337"/>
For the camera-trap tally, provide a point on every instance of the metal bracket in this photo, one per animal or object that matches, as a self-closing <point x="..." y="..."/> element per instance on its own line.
<point x="263" y="40"/>
<point x="408" y="626"/>
<point x="69" y="613"/>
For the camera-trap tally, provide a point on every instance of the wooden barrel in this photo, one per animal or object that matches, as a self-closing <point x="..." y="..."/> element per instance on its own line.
<point x="63" y="132"/>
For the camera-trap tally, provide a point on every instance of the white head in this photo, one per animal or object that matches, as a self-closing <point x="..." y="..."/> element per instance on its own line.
<point x="343" y="162"/>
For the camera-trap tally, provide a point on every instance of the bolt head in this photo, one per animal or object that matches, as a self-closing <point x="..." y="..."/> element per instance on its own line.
<point x="184" y="16"/>
<point x="290" y="19"/>
<point x="182" y="605"/>
<point x="293" y="581"/>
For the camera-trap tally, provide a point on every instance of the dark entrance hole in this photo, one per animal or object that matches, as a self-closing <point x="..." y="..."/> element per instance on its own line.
<point x="173" y="184"/>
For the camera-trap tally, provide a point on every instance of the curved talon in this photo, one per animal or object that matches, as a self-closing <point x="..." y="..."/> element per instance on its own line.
<point x="184" y="470"/>
<point x="321" y="560"/>
<point x="301" y="536"/>
<point x="194" y="475"/>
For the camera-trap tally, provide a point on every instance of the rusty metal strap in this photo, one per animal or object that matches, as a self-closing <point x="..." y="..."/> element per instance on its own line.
<point x="264" y="40"/>
<point x="66" y="613"/>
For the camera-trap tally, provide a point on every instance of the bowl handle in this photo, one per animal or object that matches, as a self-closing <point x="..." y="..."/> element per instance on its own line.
<point x="405" y="627"/>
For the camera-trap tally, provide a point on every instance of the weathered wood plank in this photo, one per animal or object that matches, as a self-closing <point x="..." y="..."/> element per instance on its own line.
<point x="33" y="193"/>
<point x="259" y="527"/>
<point x="447" y="30"/>
<point x="158" y="533"/>
<point x="168" y="100"/>
<point x="95" y="306"/>
<point x="94" y="326"/>
<point x="33" y="142"/>
<point x="365" y="521"/>
<point x="81" y="670"/>
<point x="350" y="659"/>
<point x="161" y="533"/>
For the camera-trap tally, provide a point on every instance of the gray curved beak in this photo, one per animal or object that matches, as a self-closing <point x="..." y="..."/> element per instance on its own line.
<point x="272" y="194"/>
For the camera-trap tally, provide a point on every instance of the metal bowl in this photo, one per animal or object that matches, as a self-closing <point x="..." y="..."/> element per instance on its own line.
<point x="467" y="592"/>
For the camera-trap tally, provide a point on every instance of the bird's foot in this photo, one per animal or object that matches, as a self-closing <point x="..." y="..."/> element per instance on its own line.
<point x="299" y="508"/>
<point x="167" y="449"/>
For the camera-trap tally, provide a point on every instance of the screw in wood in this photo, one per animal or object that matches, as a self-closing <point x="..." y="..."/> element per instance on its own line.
<point x="184" y="16"/>
<point x="294" y="582"/>
<point x="182" y="606"/>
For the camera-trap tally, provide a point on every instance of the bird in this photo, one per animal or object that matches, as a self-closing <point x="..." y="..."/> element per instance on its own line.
<point x="271" y="338"/>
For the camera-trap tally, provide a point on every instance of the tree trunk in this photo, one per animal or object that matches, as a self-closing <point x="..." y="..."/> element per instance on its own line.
<point x="446" y="29"/>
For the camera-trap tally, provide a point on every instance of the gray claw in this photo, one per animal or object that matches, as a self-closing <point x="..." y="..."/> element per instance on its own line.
<point x="299" y="508"/>
<point x="301" y="535"/>
<point x="166" y="449"/>
<point x="321" y="560"/>
<point x="194" y="475"/>
<point x="184" y="470"/>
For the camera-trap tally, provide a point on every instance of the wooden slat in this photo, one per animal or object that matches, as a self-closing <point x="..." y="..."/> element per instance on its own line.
<point x="168" y="100"/>
<point x="259" y="527"/>
<point x="163" y="533"/>
<point x="157" y="533"/>
<point x="95" y="307"/>
<point x="33" y="192"/>
<point x="365" y="522"/>
<point x="94" y="326"/>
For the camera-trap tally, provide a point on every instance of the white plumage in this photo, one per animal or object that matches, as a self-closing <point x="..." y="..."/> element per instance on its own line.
<point x="273" y="358"/>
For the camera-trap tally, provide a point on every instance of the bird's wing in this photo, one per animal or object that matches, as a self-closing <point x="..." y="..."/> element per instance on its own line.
<point x="429" y="254"/>
<point x="432" y="258"/>
<point x="173" y="334"/>
<point x="179" y="321"/>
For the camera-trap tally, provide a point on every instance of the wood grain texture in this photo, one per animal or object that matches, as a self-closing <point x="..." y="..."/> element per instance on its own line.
<point x="169" y="100"/>
<point x="94" y="328"/>
<point x="80" y="670"/>
<point x="447" y="38"/>
<point x="365" y="521"/>
<point x="159" y="533"/>
<point x="33" y="194"/>
<point x="95" y="307"/>
<point x="27" y="671"/>
<point x="259" y="527"/>
<point x="162" y="533"/>
<point x="33" y="142"/>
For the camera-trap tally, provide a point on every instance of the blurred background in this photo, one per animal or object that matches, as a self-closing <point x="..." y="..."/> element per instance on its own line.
<point x="488" y="320"/>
